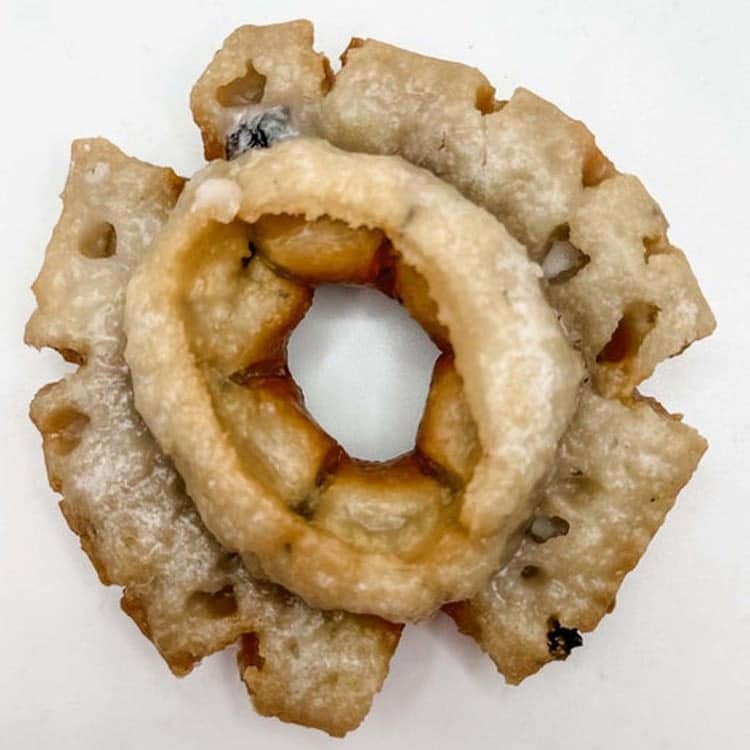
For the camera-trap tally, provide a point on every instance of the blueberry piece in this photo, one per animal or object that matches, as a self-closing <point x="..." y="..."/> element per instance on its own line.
<point x="560" y="640"/>
<point x="259" y="130"/>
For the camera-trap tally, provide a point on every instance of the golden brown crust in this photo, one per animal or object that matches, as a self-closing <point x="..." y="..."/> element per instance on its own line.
<point x="124" y="498"/>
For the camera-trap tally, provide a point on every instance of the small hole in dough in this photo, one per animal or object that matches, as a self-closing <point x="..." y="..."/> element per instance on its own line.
<point x="249" y="655"/>
<point x="64" y="429"/>
<point x="531" y="571"/>
<point x="636" y="323"/>
<point x="99" y="241"/>
<point x="562" y="260"/>
<point x="229" y="562"/>
<point x="545" y="528"/>
<point x="247" y="89"/>
<point x="215" y="604"/>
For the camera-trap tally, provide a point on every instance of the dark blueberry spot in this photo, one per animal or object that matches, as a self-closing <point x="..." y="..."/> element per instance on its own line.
<point x="259" y="130"/>
<point x="561" y="641"/>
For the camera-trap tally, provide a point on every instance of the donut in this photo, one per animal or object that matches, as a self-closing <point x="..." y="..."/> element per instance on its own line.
<point x="191" y="471"/>
<point x="205" y="328"/>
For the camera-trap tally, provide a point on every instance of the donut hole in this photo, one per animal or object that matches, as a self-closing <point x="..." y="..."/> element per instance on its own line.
<point x="215" y="605"/>
<point x="98" y="240"/>
<point x="246" y="89"/>
<point x="368" y="366"/>
<point x="364" y="366"/>
<point x="637" y="322"/>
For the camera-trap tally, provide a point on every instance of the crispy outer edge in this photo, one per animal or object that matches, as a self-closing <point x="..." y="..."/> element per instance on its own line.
<point x="518" y="657"/>
<point x="134" y="604"/>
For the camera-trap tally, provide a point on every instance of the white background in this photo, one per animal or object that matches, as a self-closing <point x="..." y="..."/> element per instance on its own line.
<point x="664" y="86"/>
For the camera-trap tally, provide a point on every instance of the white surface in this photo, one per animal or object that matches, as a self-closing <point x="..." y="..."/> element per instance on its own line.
<point x="348" y="357"/>
<point x="665" y="88"/>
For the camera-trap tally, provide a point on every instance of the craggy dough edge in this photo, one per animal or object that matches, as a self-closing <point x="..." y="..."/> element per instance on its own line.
<point x="537" y="170"/>
<point x="618" y="472"/>
<point x="123" y="497"/>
